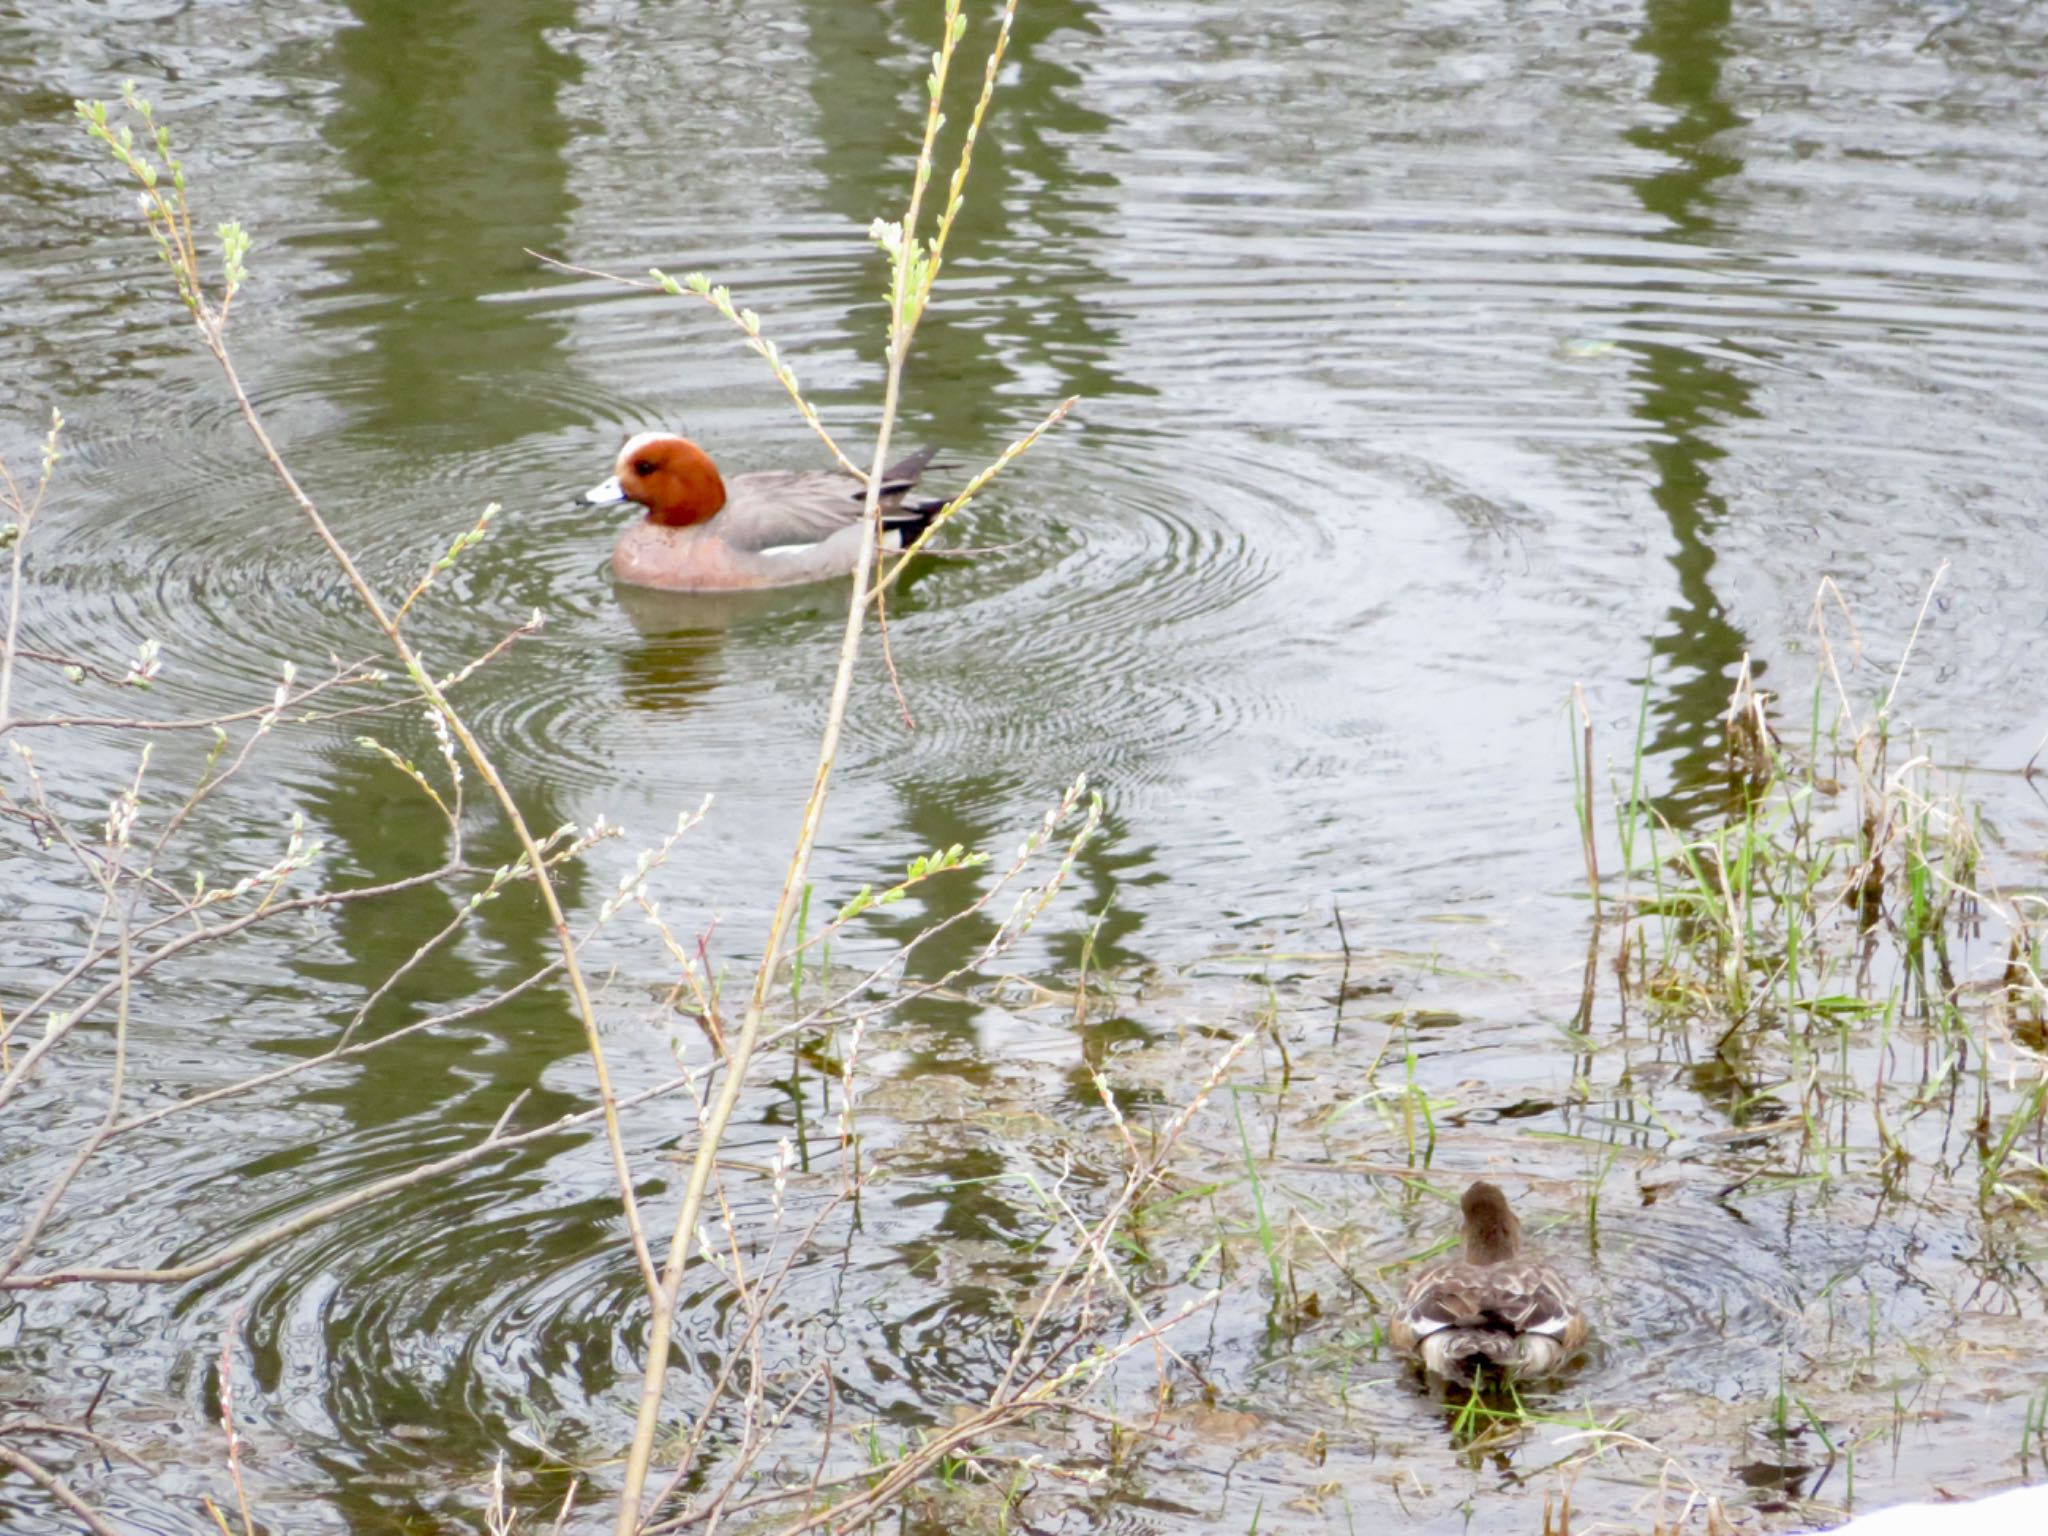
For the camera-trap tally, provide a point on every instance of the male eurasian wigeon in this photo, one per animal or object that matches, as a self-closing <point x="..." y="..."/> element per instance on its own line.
<point x="775" y="528"/>
<point x="1495" y="1306"/>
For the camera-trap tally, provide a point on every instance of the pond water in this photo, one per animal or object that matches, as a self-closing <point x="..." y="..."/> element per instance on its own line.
<point x="1434" y="356"/>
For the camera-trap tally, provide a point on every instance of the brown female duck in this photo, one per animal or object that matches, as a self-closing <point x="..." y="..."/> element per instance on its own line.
<point x="1495" y="1306"/>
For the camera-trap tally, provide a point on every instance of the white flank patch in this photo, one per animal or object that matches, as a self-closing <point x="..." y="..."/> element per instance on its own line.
<point x="1436" y="1353"/>
<point x="892" y="538"/>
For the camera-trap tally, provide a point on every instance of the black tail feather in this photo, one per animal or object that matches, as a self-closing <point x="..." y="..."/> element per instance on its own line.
<point x="902" y="475"/>
<point x="911" y="518"/>
<point x="899" y="477"/>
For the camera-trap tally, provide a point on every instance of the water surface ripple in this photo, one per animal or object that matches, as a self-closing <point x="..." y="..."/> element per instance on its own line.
<point x="1429" y="366"/>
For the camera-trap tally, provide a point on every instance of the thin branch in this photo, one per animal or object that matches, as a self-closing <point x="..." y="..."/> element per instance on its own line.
<point x="171" y="225"/>
<point x="902" y="326"/>
<point x="359" y="673"/>
<point x="719" y="298"/>
<point x="47" y="1206"/>
<point x="102" y="1443"/>
<point x="56" y="1488"/>
<point x="336" y="1053"/>
<point x="314" y="1216"/>
<point x="227" y="1420"/>
<point x="973" y="488"/>
<point x="1912" y="640"/>
<point x="25" y="509"/>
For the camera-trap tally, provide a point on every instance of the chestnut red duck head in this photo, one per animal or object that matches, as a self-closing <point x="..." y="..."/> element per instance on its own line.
<point x="670" y="476"/>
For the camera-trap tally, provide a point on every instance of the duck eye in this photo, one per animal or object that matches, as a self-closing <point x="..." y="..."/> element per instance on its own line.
<point x="643" y="466"/>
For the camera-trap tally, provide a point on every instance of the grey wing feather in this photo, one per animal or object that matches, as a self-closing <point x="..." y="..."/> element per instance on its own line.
<point x="777" y="508"/>
<point x="1439" y="1298"/>
<point x="899" y="477"/>
<point x="1544" y="1304"/>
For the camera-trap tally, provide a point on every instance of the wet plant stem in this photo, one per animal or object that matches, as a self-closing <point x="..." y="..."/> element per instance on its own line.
<point x="1582" y="784"/>
<point x="741" y="1051"/>
<point x="912" y="269"/>
<point x="24" y="507"/>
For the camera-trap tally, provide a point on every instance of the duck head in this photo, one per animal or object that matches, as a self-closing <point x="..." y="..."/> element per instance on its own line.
<point x="1492" y="1234"/>
<point x="670" y="476"/>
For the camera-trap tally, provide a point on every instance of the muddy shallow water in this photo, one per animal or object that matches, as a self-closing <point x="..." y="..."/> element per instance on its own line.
<point x="1434" y="358"/>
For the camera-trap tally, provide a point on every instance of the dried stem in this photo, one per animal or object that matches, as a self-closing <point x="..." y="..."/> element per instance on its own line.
<point x="55" y="1487"/>
<point x="24" y="509"/>
<point x="318" y="1215"/>
<point x="910" y="267"/>
<point x="171" y="224"/>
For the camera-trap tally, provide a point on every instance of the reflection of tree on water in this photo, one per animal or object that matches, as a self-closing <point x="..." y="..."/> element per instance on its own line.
<point x="447" y="119"/>
<point x="1024" y="331"/>
<point x="1014" y="328"/>
<point x="411" y="1270"/>
<point x="1686" y="392"/>
<point x="681" y="636"/>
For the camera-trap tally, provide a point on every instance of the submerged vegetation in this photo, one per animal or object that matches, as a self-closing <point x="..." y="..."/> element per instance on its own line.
<point x="1796" y="1150"/>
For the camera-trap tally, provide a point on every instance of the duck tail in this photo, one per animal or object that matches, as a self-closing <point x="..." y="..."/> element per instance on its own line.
<point x="902" y="475"/>
<point x="1461" y="1354"/>
<point x="909" y="517"/>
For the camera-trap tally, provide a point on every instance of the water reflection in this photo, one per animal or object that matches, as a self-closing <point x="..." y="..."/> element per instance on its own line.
<point x="1028" y="317"/>
<point x="679" y="637"/>
<point x="1685" y="390"/>
<point x="450" y="123"/>
<point x="386" y="831"/>
<point x="424" y="1277"/>
<point x="1026" y="325"/>
<point x="1268" y="646"/>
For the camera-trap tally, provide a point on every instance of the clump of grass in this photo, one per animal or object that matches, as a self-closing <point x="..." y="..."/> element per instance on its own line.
<point x="2034" y="1436"/>
<point x="1833" y="935"/>
<point x="1835" y="888"/>
<point x="1493" y="1414"/>
<point x="1672" y="1479"/>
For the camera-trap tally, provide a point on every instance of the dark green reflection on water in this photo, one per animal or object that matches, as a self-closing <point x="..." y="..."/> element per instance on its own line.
<point x="449" y="123"/>
<point x="1019" y="249"/>
<point x="1026" y="326"/>
<point x="388" y="831"/>
<point x="425" y="1273"/>
<point x="934" y="818"/>
<point x="1036" y="296"/>
<point x="1688" y="39"/>
<point x="1685" y="392"/>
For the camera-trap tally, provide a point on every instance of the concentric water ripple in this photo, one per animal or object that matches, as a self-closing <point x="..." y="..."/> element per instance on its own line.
<point x="1055" y="619"/>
